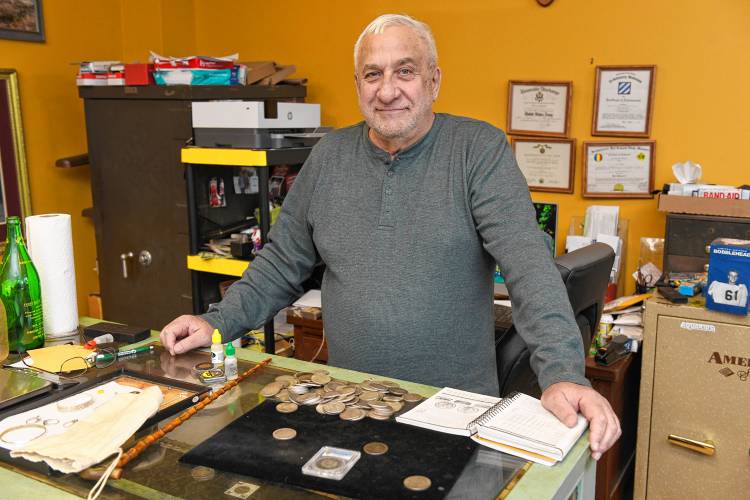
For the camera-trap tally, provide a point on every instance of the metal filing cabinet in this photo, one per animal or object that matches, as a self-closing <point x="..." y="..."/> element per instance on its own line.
<point x="693" y="432"/>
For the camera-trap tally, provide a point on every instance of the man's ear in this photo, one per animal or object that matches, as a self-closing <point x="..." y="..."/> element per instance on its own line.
<point x="356" y="83"/>
<point x="437" y="76"/>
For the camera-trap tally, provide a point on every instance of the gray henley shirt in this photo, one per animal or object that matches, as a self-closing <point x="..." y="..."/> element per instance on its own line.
<point x="410" y="245"/>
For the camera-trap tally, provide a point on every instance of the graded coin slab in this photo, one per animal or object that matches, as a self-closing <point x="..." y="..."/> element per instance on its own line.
<point x="329" y="463"/>
<point x="417" y="483"/>
<point x="284" y="434"/>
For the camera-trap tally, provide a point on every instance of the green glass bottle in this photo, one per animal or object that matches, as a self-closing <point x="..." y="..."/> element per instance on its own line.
<point x="20" y="292"/>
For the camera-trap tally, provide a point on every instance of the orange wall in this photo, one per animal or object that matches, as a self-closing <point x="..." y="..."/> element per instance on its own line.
<point x="52" y="114"/>
<point x="698" y="47"/>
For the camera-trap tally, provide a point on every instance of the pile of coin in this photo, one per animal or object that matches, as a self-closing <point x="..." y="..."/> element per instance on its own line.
<point x="378" y="399"/>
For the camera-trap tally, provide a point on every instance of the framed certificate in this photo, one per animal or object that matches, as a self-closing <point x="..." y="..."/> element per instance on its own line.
<point x="623" y="100"/>
<point x="618" y="169"/>
<point x="547" y="163"/>
<point x="539" y="108"/>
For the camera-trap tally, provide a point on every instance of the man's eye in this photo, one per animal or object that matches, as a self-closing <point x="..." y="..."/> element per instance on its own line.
<point x="370" y="75"/>
<point x="405" y="72"/>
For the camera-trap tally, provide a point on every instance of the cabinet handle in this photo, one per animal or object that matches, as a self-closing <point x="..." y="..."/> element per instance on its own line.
<point x="704" y="447"/>
<point x="124" y="259"/>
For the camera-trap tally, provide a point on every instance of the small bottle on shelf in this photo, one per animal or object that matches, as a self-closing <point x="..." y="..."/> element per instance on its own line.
<point x="217" y="350"/>
<point x="230" y="363"/>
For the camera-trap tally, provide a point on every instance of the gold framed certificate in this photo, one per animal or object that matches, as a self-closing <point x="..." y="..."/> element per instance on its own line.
<point x="539" y="108"/>
<point x="547" y="163"/>
<point x="623" y="101"/>
<point x="618" y="169"/>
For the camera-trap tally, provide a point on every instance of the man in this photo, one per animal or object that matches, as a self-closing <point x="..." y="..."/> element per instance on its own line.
<point x="410" y="211"/>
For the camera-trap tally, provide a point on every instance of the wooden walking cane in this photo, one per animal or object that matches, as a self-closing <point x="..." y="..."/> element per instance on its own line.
<point x="147" y="441"/>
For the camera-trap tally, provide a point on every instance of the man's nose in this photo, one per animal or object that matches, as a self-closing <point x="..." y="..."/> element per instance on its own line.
<point x="388" y="90"/>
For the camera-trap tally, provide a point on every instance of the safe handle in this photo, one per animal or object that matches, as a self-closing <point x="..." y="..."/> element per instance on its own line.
<point x="703" y="447"/>
<point x="124" y="257"/>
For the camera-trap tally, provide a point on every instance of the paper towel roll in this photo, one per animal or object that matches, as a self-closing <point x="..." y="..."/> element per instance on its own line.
<point x="50" y="241"/>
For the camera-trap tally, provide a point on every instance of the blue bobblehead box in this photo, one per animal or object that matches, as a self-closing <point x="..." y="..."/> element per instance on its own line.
<point x="728" y="276"/>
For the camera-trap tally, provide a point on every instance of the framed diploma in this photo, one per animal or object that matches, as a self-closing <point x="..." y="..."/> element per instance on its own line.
<point x="547" y="163"/>
<point x="623" y="100"/>
<point x="618" y="169"/>
<point x="539" y="108"/>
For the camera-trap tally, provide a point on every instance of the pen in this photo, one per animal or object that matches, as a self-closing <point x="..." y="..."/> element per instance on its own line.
<point x="122" y="354"/>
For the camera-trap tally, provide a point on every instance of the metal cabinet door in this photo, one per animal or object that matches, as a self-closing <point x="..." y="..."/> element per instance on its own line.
<point x="701" y="391"/>
<point x="139" y="199"/>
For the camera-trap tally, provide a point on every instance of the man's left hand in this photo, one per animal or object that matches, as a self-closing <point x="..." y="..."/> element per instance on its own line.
<point x="565" y="400"/>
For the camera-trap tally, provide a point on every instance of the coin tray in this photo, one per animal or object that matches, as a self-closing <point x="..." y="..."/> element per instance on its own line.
<point x="347" y="457"/>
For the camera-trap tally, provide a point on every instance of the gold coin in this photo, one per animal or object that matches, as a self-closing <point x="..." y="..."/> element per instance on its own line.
<point x="284" y="434"/>
<point x="375" y="448"/>
<point x="334" y="407"/>
<point x="328" y="463"/>
<point x="286" y="407"/>
<point x="410" y="397"/>
<point x="417" y="483"/>
<point x="271" y="389"/>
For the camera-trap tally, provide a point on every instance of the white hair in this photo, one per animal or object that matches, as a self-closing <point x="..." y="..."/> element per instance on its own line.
<point x="379" y="25"/>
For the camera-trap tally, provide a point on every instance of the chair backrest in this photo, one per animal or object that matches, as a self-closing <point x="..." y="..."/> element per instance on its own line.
<point x="585" y="274"/>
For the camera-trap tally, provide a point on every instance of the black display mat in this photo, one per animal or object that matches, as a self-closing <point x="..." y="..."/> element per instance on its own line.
<point x="247" y="447"/>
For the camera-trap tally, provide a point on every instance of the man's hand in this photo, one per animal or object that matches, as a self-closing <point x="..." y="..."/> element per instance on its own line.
<point x="565" y="400"/>
<point x="186" y="333"/>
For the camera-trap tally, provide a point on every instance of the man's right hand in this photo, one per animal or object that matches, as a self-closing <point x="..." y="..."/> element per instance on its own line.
<point x="185" y="334"/>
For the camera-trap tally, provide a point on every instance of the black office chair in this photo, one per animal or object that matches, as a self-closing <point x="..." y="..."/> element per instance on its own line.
<point x="585" y="273"/>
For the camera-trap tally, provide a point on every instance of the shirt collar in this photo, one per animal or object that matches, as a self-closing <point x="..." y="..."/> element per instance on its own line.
<point x="409" y="152"/>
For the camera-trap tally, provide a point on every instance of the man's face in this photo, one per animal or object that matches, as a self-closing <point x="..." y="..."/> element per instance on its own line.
<point x="395" y="84"/>
<point x="733" y="276"/>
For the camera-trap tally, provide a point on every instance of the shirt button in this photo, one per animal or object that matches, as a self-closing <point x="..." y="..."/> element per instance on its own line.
<point x="390" y="173"/>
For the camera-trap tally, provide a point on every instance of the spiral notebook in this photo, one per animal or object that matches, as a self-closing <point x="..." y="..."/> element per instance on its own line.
<point x="518" y="424"/>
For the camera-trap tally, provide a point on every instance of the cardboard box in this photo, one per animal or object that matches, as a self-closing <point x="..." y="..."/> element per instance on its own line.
<point x="728" y="276"/>
<point x="704" y="206"/>
<point x="258" y="70"/>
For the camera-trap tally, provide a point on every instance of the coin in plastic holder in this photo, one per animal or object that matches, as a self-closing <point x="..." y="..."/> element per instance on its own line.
<point x="331" y="463"/>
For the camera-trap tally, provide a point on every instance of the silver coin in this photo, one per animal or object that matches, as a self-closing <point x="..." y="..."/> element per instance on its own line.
<point x="377" y="416"/>
<point x="375" y="448"/>
<point x="201" y="473"/>
<point x="287" y="379"/>
<point x="369" y="395"/>
<point x="334" y="407"/>
<point x="284" y="434"/>
<point x="320" y="378"/>
<point x="271" y="389"/>
<point x="417" y="483"/>
<point x="329" y="463"/>
<point x="286" y="407"/>
<point x="352" y="414"/>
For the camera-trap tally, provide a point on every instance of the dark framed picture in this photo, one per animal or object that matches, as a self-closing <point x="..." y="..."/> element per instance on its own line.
<point x="15" y="198"/>
<point x="21" y="20"/>
<point x="618" y="169"/>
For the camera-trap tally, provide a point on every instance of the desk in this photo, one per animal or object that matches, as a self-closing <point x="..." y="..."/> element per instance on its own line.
<point x="157" y="474"/>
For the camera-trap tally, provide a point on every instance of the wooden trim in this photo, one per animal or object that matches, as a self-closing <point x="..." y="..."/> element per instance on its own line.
<point x="571" y="168"/>
<point x="649" y="112"/>
<point x="539" y="133"/>
<point x="616" y="194"/>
